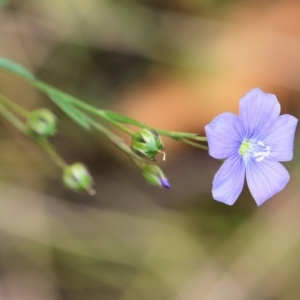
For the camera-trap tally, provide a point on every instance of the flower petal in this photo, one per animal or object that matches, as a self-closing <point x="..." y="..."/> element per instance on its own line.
<point x="229" y="180"/>
<point x="258" y="110"/>
<point x="224" y="135"/>
<point x="280" y="138"/>
<point x="265" y="179"/>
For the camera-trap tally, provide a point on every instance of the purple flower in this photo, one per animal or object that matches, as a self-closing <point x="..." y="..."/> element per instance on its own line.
<point x="251" y="144"/>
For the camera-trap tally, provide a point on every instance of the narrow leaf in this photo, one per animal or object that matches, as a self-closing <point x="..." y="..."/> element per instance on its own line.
<point x="15" y="68"/>
<point x="62" y="100"/>
<point x="78" y="117"/>
<point x="123" y="119"/>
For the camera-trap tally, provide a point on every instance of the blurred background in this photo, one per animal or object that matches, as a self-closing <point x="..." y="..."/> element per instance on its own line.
<point x="173" y="64"/>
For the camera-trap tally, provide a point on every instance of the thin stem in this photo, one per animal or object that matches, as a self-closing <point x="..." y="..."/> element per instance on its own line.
<point x="179" y="135"/>
<point x="101" y="114"/>
<point x="12" y="118"/>
<point x="14" y="107"/>
<point x="118" y="125"/>
<point x="186" y="141"/>
<point x="199" y="138"/>
<point x="48" y="148"/>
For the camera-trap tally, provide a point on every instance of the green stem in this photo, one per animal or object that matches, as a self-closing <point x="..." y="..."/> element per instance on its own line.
<point x="14" y="107"/>
<point x="12" y="118"/>
<point x="200" y="138"/>
<point x="48" y="148"/>
<point x="118" y="125"/>
<point x="186" y="141"/>
<point x="179" y="135"/>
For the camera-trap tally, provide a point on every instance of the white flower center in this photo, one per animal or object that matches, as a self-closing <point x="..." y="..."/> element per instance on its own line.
<point x="256" y="149"/>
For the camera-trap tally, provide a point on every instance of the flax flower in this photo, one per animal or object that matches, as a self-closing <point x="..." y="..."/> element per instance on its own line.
<point x="252" y="144"/>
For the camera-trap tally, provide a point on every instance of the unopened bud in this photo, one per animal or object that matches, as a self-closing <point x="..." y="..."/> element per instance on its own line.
<point x="154" y="175"/>
<point x="146" y="143"/>
<point x="77" y="178"/>
<point x="41" y="123"/>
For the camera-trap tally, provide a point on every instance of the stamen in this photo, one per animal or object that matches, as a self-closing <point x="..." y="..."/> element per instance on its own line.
<point x="259" y="158"/>
<point x="256" y="154"/>
<point x="256" y="149"/>
<point x="260" y="155"/>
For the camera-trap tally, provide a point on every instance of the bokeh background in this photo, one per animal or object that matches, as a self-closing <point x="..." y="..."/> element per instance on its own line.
<point x="173" y="64"/>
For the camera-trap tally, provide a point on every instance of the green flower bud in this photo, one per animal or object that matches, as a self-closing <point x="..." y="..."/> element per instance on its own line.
<point x="146" y="143"/>
<point x="77" y="178"/>
<point x="41" y="123"/>
<point x="154" y="175"/>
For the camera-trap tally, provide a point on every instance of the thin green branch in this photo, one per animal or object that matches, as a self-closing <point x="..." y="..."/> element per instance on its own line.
<point x="14" y="107"/>
<point x="179" y="135"/>
<point x="199" y="138"/>
<point x="50" y="151"/>
<point x="186" y="141"/>
<point x="12" y="118"/>
<point x="118" y="125"/>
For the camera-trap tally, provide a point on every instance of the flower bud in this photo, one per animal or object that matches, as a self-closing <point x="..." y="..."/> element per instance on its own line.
<point x="41" y="123"/>
<point x="77" y="178"/>
<point x="154" y="175"/>
<point x="146" y="143"/>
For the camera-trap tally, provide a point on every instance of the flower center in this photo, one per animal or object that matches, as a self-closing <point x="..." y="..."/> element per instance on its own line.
<point x="258" y="150"/>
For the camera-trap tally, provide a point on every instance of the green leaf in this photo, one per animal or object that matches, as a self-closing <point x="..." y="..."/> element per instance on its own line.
<point x="78" y="117"/>
<point x="62" y="100"/>
<point x="12" y="67"/>
<point x="123" y="119"/>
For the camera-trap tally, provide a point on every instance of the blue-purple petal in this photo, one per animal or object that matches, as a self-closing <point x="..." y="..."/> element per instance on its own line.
<point x="258" y="110"/>
<point x="224" y="135"/>
<point x="265" y="179"/>
<point x="165" y="183"/>
<point x="280" y="138"/>
<point x="229" y="180"/>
